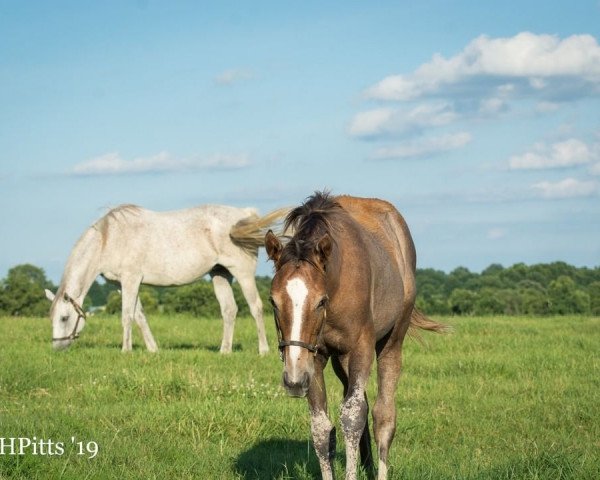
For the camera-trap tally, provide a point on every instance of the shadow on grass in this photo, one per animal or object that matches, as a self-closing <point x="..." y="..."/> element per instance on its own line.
<point x="109" y="345"/>
<point x="278" y="459"/>
<point x="237" y="347"/>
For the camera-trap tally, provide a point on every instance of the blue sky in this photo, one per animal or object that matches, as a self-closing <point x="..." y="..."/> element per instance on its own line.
<point x="479" y="121"/>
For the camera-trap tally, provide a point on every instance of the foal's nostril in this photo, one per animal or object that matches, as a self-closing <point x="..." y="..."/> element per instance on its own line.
<point x="305" y="380"/>
<point x="299" y="386"/>
<point x="286" y="379"/>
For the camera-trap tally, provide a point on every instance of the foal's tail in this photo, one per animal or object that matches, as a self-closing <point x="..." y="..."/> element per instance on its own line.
<point x="249" y="233"/>
<point x="418" y="321"/>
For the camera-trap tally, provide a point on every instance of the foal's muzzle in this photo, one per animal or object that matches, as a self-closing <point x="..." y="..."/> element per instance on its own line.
<point x="296" y="388"/>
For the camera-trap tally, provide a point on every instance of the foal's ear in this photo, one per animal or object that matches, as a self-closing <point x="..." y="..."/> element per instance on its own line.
<point x="323" y="249"/>
<point x="49" y="295"/>
<point x="273" y="246"/>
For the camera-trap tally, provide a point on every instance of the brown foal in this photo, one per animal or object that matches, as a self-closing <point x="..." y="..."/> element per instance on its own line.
<point x="344" y="288"/>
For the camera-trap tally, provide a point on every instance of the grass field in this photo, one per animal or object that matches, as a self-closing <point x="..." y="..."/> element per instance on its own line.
<point x="500" y="398"/>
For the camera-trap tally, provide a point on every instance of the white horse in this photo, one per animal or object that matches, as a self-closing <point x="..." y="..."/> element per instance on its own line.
<point x="132" y="245"/>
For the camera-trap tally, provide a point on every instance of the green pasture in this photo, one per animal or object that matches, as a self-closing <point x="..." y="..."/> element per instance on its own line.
<point x="500" y="398"/>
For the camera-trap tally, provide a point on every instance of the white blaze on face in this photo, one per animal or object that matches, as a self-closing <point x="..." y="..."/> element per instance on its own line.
<point x="296" y="289"/>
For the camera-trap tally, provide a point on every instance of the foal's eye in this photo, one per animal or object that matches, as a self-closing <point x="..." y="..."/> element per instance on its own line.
<point x="322" y="303"/>
<point x="64" y="319"/>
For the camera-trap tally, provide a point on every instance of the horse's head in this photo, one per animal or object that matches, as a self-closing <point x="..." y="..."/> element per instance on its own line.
<point x="299" y="299"/>
<point x="68" y="319"/>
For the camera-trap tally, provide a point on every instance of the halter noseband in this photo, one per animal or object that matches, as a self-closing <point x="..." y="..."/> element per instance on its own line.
<point x="296" y="343"/>
<point x="311" y="347"/>
<point x="80" y="314"/>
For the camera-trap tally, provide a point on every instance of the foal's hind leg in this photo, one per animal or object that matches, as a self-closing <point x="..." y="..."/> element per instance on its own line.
<point x="221" y="279"/>
<point x="141" y="321"/>
<point x="389" y="363"/>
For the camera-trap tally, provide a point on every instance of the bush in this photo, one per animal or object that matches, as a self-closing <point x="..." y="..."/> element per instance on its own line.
<point x="22" y="292"/>
<point x="148" y="298"/>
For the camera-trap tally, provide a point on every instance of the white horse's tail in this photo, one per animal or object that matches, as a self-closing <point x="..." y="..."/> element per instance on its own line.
<point x="249" y="233"/>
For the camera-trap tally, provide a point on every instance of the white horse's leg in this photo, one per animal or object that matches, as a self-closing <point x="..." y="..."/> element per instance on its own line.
<point x="141" y="321"/>
<point x="247" y="281"/>
<point x="129" y="298"/>
<point x="221" y="280"/>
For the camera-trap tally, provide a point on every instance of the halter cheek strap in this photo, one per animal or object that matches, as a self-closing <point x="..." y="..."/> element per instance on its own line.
<point x="80" y="314"/>
<point x="311" y="347"/>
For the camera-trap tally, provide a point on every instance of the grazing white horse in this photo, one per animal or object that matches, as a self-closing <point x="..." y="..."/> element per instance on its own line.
<point x="132" y="245"/>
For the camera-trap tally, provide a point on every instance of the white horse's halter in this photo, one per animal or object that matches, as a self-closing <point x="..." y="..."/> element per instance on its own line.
<point x="80" y="314"/>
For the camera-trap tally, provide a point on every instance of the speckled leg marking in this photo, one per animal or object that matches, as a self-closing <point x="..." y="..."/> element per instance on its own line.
<point x="323" y="431"/>
<point x="323" y="434"/>
<point x="353" y="416"/>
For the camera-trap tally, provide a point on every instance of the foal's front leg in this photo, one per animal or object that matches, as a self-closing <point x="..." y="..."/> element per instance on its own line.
<point x="323" y="431"/>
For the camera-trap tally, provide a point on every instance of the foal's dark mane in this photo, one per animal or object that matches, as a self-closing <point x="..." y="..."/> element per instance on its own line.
<point x="309" y="222"/>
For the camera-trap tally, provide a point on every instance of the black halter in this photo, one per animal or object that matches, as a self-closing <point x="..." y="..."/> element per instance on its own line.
<point x="296" y="343"/>
<point x="311" y="347"/>
<point x="80" y="314"/>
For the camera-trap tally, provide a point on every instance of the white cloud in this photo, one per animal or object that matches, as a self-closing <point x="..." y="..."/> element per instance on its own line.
<point x="564" y="154"/>
<point x="496" y="233"/>
<point x="537" y="59"/>
<point x="546" y="107"/>
<point x="229" y="77"/>
<point x="595" y="169"/>
<point x="114" y="164"/>
<point x="389" y="122"/>
<point x="567" y="188"/>
<point x="371" y="122"/>
<point x="424" y="147"/>
<point x="491" y="105"/>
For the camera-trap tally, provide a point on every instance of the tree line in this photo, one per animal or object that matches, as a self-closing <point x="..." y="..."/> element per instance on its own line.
<point x="543" y="289"/>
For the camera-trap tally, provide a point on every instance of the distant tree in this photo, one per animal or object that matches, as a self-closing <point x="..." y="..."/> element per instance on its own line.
<point x="462" y="301"/>
<point x="462" y="278"/>
<point x="493" y="277"/>
<point x="594" y="293"/>
<point x="98" y="293"/>
<point x="431" y="282"/>
<point x="533" y="298"/>
<point x="488" y="302"/>
<point x="436" y="304"/>
<point x="566" y="298"/>
<point x="113" y="303"/>
<point x="197" y="298"/>
<point x="22" y="292"/>
<point x="511" y="276"/>
<point x="148" y="297"/>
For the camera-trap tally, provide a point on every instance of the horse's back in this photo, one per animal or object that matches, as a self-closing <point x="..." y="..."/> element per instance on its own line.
<point x="392" y="253"/>
<point x="168" y="248"/>
<point x="133" y="220"/>
<point x="383" y="220"/>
